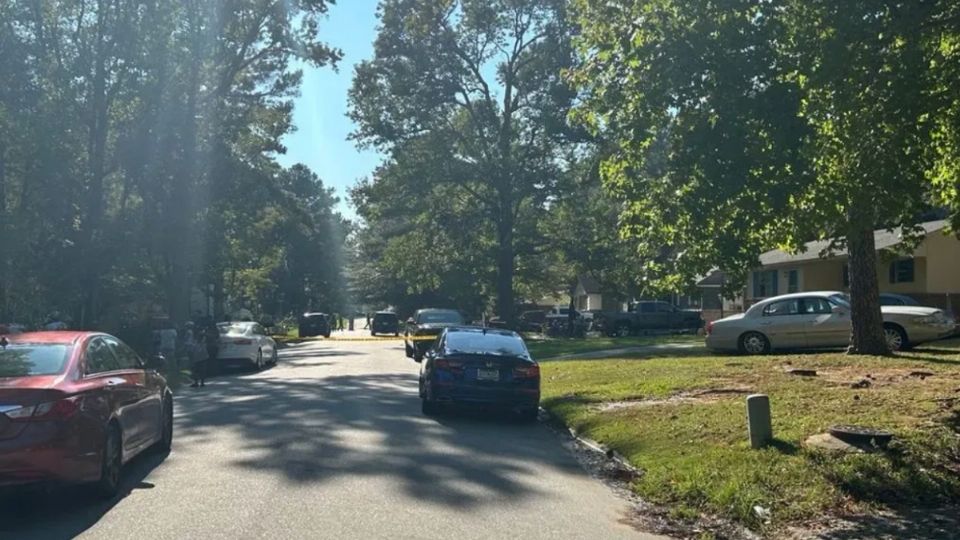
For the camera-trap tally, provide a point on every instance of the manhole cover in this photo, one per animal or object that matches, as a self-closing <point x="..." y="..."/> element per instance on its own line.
<point x="862" y="435"/>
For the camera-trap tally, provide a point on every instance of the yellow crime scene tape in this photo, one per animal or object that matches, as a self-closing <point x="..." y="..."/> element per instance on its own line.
<point x="384" y="338"/>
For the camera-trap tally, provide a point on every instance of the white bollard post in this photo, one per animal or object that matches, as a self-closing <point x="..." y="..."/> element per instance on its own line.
<point x="758" y="420"/>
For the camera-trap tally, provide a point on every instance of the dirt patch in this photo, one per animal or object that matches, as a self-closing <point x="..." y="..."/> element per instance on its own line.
<point x="874" y="377"/>
<point x="699" y="396"/>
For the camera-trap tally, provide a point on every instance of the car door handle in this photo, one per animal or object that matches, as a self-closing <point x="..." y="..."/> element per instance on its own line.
<point x="116" y="381"/>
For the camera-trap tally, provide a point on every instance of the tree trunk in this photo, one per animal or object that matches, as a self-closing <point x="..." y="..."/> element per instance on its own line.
<point x="505" y="270"/>
<point x="866" y="335"/>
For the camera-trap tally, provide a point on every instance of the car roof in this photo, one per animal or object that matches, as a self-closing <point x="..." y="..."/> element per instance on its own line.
<point x="482" y="330"/>
<point x="437" y="310"/>
<point x="237" y="323"/>
<point x="801" y="295"/>
<point x="386" y="313"/>
<point x="62" y="337"/>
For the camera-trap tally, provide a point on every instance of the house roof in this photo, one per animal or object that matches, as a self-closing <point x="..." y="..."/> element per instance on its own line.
<point x="715" y="278"/>
<point x="882" y="237"/>
<point x="589" y="284"/>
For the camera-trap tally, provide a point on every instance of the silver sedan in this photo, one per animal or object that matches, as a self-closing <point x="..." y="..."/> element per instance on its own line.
<point x="819" y="320"/>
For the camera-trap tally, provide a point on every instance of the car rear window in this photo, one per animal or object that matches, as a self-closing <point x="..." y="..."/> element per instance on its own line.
<point x="24" y="360"/>
<point x="485" y="343"/>
<point x="385" y="317"/>
<point x="451" y="317"/>
<point x="233" y="329"/>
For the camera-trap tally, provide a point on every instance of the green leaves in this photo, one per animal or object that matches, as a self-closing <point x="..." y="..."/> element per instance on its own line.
<point x="739" y="127"/>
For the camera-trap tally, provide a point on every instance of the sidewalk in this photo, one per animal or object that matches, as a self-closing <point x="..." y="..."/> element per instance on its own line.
<point x="610" y="353"/>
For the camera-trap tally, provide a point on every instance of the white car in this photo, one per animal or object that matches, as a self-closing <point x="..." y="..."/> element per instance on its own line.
<point x="816" y="320"/>
<point x="248" y="342"/>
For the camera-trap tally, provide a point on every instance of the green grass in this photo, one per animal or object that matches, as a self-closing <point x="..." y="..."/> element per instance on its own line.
<point x="551" y="347"/>
<point x="694" y="451"/>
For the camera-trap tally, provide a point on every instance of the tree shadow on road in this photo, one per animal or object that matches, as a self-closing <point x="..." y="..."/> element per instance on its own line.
<point x="369" y="425"/>
<point x="56" y="512"/>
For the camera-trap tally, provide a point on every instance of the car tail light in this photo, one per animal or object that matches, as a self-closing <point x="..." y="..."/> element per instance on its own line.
<point x="527" y="372"/>
<point x="709" y="328"/>
<point x="57" y="410"/>
<point x="443" y="363"/>
<point x="51" y="410"/>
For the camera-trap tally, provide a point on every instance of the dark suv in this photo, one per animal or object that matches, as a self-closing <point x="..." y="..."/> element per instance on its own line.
<point x="385" y="322"/>
<point x="314" y="324"/>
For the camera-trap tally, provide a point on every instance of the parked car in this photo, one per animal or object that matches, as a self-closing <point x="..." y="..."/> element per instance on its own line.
<point x="533" y="321"/>
<point x="12" y="328"/>
<point x="892" y="299"/>
<point x="480" y="367"/>
<point x="819" y="319"/>
<point x="246" y="342"/>
<point x="75" y="407"/>
<point x="315" y="324"/>
<point x="385" y="322"/>
<point x="645" y="316"/>
<point x="423" y="328"/>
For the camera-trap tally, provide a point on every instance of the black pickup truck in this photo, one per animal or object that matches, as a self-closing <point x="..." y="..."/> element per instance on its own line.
<point x="424" y="326"/>
<point x="647" y="316"/>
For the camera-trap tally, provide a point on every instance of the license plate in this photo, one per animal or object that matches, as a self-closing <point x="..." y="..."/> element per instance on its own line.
<point x="488" y="374"/>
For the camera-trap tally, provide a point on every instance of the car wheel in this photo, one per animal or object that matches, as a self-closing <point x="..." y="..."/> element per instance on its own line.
<point x="111" y="464"/>
<point x="754" y="343"/>
<point x="896" y="337"/>
<point x="259" y="364"/>
<point x="407" y="350"/>
<point x="428" y="407"/>
<point x="166" y="428"/>
<point x="528" y="416"/>
<point x="396" y="334"/>
<point x="372" y="333"/>
<point x="623" y="330"/>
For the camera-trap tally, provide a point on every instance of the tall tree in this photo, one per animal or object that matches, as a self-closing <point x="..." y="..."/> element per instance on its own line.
<point x="467" y="95"/>
<point x="783" y="121"/>
<point x="132" y="135"/>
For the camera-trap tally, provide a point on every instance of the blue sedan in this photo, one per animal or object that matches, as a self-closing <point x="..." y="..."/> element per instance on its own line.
<point x="482" y="367"/>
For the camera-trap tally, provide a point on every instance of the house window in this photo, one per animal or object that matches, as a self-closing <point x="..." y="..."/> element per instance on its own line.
<point x="765" y="284"/>
<point x="793" y="281"/>
<point x="902" y="271"/>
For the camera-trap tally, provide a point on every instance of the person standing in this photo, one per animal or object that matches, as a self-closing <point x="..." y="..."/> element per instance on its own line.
<point x="211" y="341"/>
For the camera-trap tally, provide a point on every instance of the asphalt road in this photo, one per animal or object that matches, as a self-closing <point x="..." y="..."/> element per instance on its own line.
<point x="331" y="444"/>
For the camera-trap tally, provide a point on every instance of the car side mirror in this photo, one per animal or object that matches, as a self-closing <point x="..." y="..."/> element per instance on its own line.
<point x="156" y="363"/>
<point x="839" y="310"/>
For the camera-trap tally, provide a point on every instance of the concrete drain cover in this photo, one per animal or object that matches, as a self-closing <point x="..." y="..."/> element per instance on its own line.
<point x="862" y="435"/>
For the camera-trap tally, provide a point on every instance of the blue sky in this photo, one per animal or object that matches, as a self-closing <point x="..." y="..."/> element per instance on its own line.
<point x="319" y="114"/>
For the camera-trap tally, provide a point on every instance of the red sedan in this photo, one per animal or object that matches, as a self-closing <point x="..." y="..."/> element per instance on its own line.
<point x="75" y="407"/>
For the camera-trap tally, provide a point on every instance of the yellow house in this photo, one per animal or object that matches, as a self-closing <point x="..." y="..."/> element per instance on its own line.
<point x="931" y="274"/>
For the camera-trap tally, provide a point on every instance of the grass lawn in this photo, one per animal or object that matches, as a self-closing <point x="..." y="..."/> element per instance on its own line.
<point x="550" y="347"/>
<point x="682" y="421"/>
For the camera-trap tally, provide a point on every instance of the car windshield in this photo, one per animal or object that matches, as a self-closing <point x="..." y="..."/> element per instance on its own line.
<point x="486" y="343"/>
<point x="24" y="360"/>
<point x="840" y="299"/>
<point x="233" y="329"/>
<point x="429" y="317"/>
